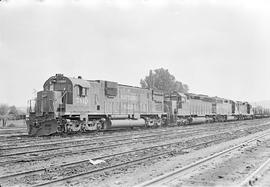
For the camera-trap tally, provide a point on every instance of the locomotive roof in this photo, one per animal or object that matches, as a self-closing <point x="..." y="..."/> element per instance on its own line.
<point x="81" y="82"/>
<point x="86" y="83"/>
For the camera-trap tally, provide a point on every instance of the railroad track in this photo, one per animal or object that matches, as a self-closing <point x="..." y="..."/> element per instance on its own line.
<point x="134" y="161"/>
<point x="91" y="149"/>
<point x="93" y="135"/>
<point x="254" y="177"/>
<point x="157" y="153"/>
<point x="63" y="141"/>
<point x="95" y="148"/>
<point x="126" y="138"/>
<point x="163" y="179"/>
<point x="102" y="157"/>
<point x="12" y="128"/>
<point x="26" y="139"/>
<point x="17" y="135"/>
<point x="51" y="140"/>
<point x="10" y="132"/>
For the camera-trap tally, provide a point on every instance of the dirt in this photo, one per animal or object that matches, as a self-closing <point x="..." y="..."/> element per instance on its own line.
<point x="264" y="179"/>
<point x="228" y="170"/>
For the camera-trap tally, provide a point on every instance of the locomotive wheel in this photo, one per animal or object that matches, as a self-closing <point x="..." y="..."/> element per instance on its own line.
<point x="151" y="123"/>
<point x="158" y="123"/>
<point x="99" y="126"/>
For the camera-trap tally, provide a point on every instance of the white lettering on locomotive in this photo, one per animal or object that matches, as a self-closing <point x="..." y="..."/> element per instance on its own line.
<point x="82" y="100"/>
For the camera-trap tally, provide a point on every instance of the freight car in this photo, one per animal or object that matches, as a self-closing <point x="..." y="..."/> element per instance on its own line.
<point x="69" y="104"/>
<point x="260" y="112"/>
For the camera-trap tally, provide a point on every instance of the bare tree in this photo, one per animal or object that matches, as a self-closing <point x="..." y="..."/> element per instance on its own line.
<point x="4" y="113"/>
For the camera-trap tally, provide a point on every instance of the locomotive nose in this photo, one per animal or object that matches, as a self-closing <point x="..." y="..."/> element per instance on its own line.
<point x="44" y="103"/>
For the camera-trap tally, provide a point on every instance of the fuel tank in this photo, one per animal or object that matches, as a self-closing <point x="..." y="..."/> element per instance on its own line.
<point x="231" y="118"/>
<point x="117" y="123"/>
<point x="44" y="128"/>
<point x="198" y="120"/>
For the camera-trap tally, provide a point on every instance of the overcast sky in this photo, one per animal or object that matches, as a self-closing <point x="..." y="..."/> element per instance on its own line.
<point x="217" y="47"/>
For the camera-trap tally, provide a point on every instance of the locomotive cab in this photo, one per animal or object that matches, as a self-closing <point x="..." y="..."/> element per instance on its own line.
<point x="62" y="89"/>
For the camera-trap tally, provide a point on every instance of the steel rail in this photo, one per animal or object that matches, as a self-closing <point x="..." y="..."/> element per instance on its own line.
<point x="103" y="157"/>
<point x="92" y="138"/>
<point x="253" y="177"/>
<point x="131" y="139"/>
<point x="111" y="155"/>
<point x="13" y="135"/>
<point x="164" y="178"/>
<point x="119" y="165"/>
<point x="97" y="138"/>
<point x="87" y="150"/>
<point x="167" y="127"/>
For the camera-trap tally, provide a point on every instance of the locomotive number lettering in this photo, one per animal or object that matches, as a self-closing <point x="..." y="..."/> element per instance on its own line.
<point x="83" y="100"/>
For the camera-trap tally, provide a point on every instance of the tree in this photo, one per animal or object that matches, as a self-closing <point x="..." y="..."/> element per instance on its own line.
<point x="13" y="112"/>
<point x="161" y="79"/>
<point x="8" y="112"/>
<point x="4" y="113"/>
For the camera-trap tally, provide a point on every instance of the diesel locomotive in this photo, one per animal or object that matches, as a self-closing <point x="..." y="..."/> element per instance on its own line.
<point x="68" y="104"/>
<point x="197" y="108"/>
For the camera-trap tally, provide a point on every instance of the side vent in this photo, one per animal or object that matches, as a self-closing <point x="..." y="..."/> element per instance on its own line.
<point x="111" y="88"/>
<point x="158" y="96"/>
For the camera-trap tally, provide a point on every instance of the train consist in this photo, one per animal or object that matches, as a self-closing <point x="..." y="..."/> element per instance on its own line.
<point x="76" y="105"/>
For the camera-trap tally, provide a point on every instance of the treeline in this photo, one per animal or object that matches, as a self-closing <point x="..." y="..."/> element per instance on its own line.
<point x="10" y="113"/>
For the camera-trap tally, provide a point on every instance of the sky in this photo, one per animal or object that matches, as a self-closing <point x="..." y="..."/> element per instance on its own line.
<point x="217" y="47"/>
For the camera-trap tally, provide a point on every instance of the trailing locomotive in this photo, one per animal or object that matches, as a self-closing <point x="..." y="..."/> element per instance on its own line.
<point x="73" y="104"/>
<point x="197" y="108"/>
<point x="76" y="105"/>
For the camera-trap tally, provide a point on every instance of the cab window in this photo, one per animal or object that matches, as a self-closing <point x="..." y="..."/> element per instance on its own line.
<point x="81" y="91"/>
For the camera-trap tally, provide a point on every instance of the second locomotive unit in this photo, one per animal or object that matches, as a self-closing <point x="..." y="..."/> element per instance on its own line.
<point x="197" y="108"/>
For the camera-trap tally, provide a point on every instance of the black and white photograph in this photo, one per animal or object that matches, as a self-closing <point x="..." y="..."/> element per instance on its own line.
<point x="135" y="93"/>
